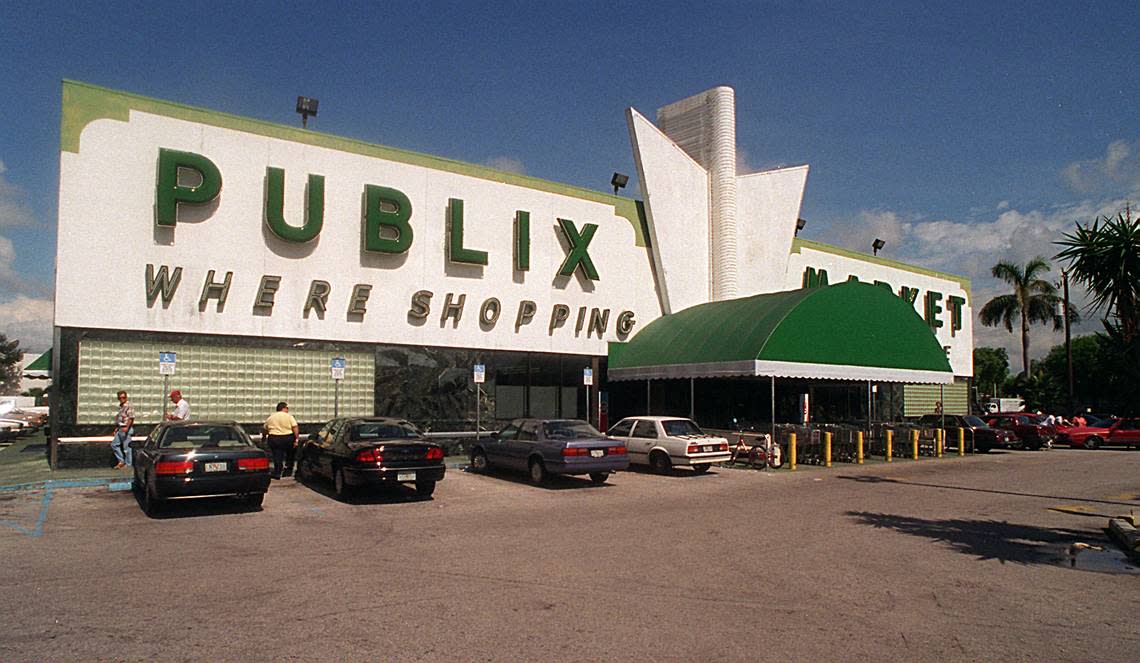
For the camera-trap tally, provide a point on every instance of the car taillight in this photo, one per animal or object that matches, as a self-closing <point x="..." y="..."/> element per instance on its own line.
<point x="575" y="451"/>
<point x="724" y="446"/>
<point x="616" y="451"/>
<point x="434" y="453"/>
<point x="174" y="467"/>
<point x="694" y="449"/>
<point x="370" y="455"/>
<point x="252" y="464"/>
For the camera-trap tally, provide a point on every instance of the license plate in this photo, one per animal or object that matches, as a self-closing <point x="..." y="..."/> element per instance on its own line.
<point x="708" y="448"/>
<point x="405" y="476"/>
<point x="215" y="467"/>
<point x="597" y="453"/>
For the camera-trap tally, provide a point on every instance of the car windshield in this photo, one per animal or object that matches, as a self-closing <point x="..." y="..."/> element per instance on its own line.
<point x="680" y="427"/>
<point x="568" y="430"/>
<point x="383" y="430"/>
<point x="971" y="420"/>
<point x="203" y="437"/>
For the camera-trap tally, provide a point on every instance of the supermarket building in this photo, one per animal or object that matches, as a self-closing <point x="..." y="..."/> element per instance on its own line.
<point x="258" y="252"/>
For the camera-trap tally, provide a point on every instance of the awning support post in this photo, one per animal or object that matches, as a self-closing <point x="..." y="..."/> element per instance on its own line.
<point x="772" y="391"/>
<point x="648" y="408"/>
<point x="692" y="400"/>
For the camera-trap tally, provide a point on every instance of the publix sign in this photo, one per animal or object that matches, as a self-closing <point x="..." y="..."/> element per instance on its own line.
<point x="189" y="221"/>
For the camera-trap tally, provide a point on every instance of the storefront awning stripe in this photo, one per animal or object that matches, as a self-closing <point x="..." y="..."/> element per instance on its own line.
<point x="847" y="331"/>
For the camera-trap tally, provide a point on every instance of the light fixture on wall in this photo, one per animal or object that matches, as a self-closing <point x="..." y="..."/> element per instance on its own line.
<point x="619" y="181"/>
<point x="800" y="223"/>
<point x="306" y="106"/>
<point x="876" y="245"/>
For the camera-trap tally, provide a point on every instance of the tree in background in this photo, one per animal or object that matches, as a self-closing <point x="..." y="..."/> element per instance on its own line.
<point x="1097" y="380"/>
<point x="10" y="356"/>
<point x="1033" y="300"/>
<point x="991" y="368"/>
<point x="1105" y="258"/>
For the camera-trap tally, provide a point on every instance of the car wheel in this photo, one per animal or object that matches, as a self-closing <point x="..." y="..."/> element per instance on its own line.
<point x="302" y="471"/>
<point x="425" y="487"/>
<point x="255" y="500"/>
<point x="701" y="468"/>
<point x="599" y="477"/>
<point x="152" y="505"/>
<point x="1093" y="442"/>
<point x="479" y="460"/>
<point x="340" y="486"/>
<point x="537" y="472"/>
<point x="659" y="462"/>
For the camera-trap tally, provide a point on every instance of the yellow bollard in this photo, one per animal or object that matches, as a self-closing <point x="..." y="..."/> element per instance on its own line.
<point x="914" y="443"/>
<point x="961" y="441"/>
<point x="938" y="432"/>
<point x="791" y="451"/>
<point x="890" y="436"/>
<point x="827" y="449"/>
<point x="859" y="447"/>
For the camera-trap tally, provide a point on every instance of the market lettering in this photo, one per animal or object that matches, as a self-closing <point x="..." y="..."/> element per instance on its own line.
<point x="931" y="303"/>
<point x="386" y="226"/>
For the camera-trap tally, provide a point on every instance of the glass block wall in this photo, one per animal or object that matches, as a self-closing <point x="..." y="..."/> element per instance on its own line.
<point x="243" y="384"/>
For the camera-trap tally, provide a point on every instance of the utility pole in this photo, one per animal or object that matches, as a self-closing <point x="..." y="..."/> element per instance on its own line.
<point x="1068" y="339"/>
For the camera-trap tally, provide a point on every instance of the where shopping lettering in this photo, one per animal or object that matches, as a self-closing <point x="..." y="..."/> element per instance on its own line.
<point x="386" y="219"/>
<point x="161" y="285"/>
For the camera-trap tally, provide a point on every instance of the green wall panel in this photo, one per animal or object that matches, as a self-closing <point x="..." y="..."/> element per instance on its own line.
<point x="920" y="399"/>
<point x="242" y="384"/>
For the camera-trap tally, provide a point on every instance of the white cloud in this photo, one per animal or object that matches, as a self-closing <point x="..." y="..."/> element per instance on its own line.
<point x="509" y="164"/>
<point x="1120" y="166"/>
<point x="14" y="210"/>
<point x="29" y="321"/>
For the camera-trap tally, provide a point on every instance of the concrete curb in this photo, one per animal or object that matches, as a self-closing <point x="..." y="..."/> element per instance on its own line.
<point x="112" y="483"/>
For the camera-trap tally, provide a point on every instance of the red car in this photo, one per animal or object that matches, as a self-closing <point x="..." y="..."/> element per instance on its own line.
<point x="1028" y="427"/>
<point x="1125" y="432"/>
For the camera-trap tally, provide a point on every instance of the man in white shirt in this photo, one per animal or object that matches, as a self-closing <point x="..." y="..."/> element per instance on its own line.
<point x="181" y="407"/>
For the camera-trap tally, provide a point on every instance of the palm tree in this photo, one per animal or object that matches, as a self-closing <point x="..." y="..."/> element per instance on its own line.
<point x="1033" y="300"/>
<point x="1106" y="259"/>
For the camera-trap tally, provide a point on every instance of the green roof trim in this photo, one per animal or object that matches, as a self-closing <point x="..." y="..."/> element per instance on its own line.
<point x="84" y="103"/>
<point x="41" y="363"/>
<point x="798" y="244"/>
<point x="848" y="326"/>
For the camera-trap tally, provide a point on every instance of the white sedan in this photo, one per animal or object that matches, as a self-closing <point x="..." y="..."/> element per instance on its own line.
<point x="665" y="442"/>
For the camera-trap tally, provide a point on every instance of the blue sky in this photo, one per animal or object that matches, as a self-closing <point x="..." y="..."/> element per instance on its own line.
<point x="961" y="133"/>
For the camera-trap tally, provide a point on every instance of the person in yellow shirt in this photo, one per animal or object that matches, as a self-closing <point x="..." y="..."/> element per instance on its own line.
<point x="283" y="434"/>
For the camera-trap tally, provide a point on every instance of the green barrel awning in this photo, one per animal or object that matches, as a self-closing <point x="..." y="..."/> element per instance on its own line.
<point x="848" y="331"/>
<point x="40" y="367"/>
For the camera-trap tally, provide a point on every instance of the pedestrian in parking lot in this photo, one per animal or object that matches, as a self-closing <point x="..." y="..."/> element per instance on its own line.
<point x="283" y="433"/>
<point x="181" y="407"/>
<point x="124" y="429"/>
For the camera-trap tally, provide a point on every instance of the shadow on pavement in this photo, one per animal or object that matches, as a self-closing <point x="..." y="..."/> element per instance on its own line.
<point x="986" y="539"/>
<point x="553" y="481"/>
<point x="922" y="484"/>
<point x="394" y="494"/>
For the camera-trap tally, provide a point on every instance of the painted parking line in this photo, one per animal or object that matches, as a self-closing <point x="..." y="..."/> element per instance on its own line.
<point x="37" y="529"/>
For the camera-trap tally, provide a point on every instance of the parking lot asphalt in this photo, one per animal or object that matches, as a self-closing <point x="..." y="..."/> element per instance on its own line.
<point x="935" y="560"/>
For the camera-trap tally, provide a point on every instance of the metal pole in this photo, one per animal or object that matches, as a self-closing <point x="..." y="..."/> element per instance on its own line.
<point x="692" y="401"/>
<point x="1068" y="340"/>
<point x="165" y="391"/>
<point x="336" y="398"/>
<point x="588" y="413"/>
<point x="477" y="392"/>
<point x="647" y="398"/>
<point x="773" y="395"/>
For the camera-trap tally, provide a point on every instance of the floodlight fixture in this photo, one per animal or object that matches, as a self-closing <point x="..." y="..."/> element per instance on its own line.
<point x="619" y="181"/>
<point x="306" y="106"/>
<point x="876" y="245"/>
<point x="800" y="223"/>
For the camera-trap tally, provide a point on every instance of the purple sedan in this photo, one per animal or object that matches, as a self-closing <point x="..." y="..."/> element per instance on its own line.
<point x="543" y="447"/>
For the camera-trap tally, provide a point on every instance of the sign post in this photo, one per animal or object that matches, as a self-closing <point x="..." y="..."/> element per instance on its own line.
<point x="166" y="362"/>
<point x="480" y="376"/>
<point x="588" y="379"/>
<point x="336" y="367"/>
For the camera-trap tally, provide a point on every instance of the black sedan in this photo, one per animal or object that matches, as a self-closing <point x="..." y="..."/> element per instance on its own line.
<point x="355" y="452"/>
<point x="182" y="459"/>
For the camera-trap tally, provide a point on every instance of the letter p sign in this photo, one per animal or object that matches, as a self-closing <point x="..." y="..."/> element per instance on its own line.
<point x="168" y="191"/>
